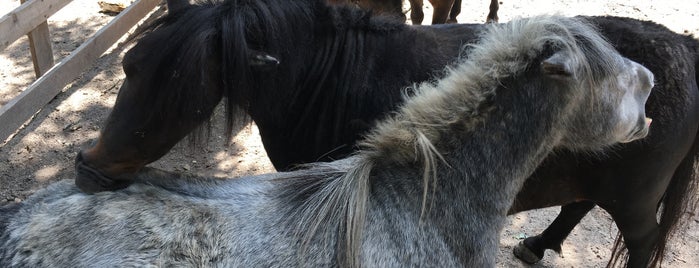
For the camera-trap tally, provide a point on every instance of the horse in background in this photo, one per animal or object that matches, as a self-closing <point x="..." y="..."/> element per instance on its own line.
<point x="445" y="11"/>
<point x="316" y="78"/>
<point x="467" y="142"/>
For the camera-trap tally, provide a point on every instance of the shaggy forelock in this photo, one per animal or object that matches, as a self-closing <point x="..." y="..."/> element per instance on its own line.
<point x="502" y="46"/>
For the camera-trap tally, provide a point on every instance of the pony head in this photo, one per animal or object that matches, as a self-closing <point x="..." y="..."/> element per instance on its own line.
<point x="176" y="74"/>
<point x="608" y="106"/>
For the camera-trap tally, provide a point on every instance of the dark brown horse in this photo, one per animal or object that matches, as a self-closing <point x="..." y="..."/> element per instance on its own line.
<point x="445" y="11"/>
<point x="315" y="78"/>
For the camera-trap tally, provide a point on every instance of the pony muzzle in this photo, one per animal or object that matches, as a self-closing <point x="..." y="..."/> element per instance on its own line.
<point x="91" y="180"/>
<point x="640" y="132"/>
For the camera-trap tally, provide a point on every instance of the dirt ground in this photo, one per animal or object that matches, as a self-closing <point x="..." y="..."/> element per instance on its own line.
<point x="43" y="150"/>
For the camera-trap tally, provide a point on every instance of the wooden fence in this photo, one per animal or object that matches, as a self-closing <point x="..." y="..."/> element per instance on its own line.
<point x="30" y="18"/>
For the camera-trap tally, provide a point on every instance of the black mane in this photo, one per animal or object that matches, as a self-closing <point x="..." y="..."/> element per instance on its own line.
<point x="211" y="40"/>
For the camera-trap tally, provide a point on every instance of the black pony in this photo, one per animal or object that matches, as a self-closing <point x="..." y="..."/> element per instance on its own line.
<point x="315" y="78"/>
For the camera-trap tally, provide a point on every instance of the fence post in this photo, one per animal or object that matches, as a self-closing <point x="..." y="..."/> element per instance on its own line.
<point x="40" y="47"/>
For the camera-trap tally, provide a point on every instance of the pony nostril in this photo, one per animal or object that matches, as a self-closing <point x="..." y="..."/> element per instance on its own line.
<point x="648" y="121"/>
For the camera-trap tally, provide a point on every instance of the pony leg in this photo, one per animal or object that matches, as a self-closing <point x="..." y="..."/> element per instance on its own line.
<point x="441" y="10"/>
<point x="416" y="15"/>
<point x="493" y="13"/>
<point x="639" y="228"/>
<point x="455" y="11"/>
<point x="532" y="249"/>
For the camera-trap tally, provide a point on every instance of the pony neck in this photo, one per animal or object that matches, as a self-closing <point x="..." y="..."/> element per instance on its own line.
<point x="466" y="111"/>
<point x="474" y="149"/>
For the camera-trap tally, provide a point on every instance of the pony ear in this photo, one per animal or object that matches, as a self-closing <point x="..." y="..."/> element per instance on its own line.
<point x="261" y="60"/>
<point x="559" y="64"/>
<point x="176" y="5"/>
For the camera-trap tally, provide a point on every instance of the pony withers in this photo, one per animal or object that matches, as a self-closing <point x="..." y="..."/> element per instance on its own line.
<point x="431" y="186"/>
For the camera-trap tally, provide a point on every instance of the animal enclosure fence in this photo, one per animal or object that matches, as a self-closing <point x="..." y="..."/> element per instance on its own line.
<point x="31" y="19"/>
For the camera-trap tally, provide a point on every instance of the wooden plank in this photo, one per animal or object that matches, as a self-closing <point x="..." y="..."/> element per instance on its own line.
<point x="21" y="108"/>
<point x="26" y="17"/>
<point x="40" y="47"/>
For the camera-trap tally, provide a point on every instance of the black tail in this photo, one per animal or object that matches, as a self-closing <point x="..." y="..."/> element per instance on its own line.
<point x="679" y="204"/>
<point x="676" y="208"/>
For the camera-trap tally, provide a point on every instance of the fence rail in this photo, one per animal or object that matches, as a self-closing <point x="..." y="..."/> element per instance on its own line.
<point x="25" y="20"/>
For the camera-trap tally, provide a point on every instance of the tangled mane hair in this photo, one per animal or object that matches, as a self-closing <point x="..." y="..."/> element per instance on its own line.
<point x="414" y="135"/>
<point x="223" y="33"/>
<point x="220" y="37"/>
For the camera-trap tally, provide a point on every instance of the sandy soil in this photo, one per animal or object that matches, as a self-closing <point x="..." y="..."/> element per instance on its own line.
<point x="43" y="150"/>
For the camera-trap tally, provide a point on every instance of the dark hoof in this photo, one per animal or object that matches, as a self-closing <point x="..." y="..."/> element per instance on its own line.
<point x="523" y="253"/>
<point x="90" y="180"/>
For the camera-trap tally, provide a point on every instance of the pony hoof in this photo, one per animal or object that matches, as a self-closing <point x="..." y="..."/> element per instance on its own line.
<point x="90" y="180"/>
<point x="523" y="253"/>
